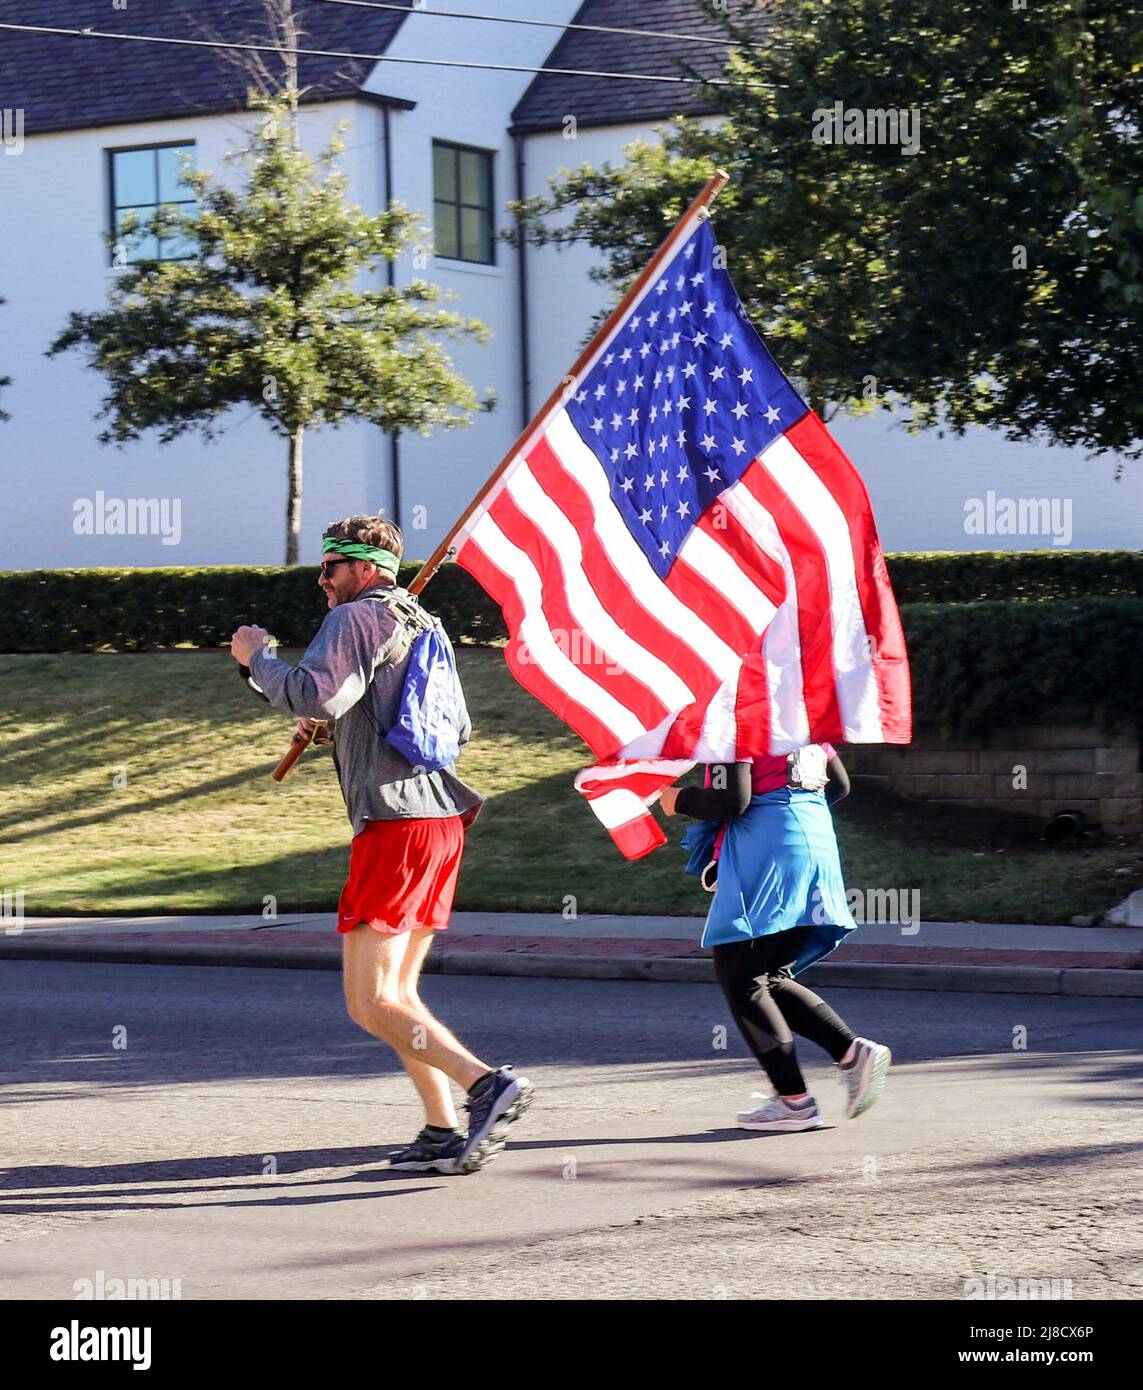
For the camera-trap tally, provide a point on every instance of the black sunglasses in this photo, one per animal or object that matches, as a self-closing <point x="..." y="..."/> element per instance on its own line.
<point x="327" y="566"/>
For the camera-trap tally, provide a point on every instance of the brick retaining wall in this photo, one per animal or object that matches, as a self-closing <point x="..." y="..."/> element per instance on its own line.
<point x="1070" y="764"/>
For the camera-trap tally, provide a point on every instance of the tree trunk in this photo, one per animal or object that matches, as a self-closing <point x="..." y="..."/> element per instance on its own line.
<point x="294" y="499"/>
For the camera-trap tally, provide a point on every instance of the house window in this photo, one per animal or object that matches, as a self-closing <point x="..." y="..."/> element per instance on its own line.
<point x="143" y="180"/>
<point x="462" y="203"/>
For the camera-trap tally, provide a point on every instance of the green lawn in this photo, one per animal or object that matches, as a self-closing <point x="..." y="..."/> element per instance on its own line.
<point x="140" y="783"/>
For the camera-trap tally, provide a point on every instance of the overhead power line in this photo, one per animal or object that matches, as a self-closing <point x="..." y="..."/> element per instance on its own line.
<point x="535" y="23"/>
<point x="89" y="33"/>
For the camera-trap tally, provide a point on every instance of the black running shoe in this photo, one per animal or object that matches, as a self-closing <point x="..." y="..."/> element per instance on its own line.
<point x="430" y="1153"/>
<point x="501" y="1098"/>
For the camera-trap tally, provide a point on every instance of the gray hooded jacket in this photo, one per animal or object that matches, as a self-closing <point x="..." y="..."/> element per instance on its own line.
<point x="353" y="672"/>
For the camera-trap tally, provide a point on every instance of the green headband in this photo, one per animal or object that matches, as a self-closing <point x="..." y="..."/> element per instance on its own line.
<point x="358" y="550"/>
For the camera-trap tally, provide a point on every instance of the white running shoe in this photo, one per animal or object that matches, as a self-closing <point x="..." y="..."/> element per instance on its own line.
<point x="780" y="1116"/>
<point x="864" y="1077"/>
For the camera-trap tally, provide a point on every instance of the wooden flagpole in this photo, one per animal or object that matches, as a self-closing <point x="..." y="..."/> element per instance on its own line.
<point x="714" y="186"/>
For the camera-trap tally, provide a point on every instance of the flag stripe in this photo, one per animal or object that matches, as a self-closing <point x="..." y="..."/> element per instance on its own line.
<point x="629" y="561"/>
<point x="601" y="721"/>
<point x="879" y="609"/>
<point x="585" y="644"/>
<point x="811" y="587"/>
<point x="695" y="678"/>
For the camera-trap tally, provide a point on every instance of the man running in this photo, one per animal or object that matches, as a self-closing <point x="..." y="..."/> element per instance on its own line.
<point x="408" y="828"/>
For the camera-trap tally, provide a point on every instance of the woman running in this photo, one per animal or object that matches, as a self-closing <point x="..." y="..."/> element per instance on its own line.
<point x="766" y="837"/>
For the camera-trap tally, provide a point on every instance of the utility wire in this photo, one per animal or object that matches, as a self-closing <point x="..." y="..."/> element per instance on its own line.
<point x="89" y="33"/>
<point x="537" y="23"/>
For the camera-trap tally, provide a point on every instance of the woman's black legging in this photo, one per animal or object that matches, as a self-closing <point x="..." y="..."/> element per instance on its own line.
<point x="769" y="1005"/>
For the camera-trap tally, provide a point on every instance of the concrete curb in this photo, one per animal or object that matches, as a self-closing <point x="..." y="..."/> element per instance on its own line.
<point x="970" y="979"/>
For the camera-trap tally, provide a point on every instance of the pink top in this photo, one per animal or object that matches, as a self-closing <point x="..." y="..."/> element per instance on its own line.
<point x="768" y="772"/>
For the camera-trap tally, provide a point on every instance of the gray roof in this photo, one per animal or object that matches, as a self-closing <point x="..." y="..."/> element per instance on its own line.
<point x="64" y="83"/>
<point x="598" y="101"/>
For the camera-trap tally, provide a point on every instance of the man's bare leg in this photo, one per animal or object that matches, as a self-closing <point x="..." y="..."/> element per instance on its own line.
<point x="431" y="1083"/>
<point x="372" y="965"/>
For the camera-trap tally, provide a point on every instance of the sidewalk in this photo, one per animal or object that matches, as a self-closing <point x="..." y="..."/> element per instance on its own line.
<point x="975" y="956"/>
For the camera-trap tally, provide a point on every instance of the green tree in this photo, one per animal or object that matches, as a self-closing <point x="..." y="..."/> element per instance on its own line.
<point x="266" y="312"/>
<point x="993" y="277"/>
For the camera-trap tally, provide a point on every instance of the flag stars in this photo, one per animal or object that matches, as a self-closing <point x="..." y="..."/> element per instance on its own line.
<point x="597" y="425"/>
<point x="700" y="338"/>
<point x="697" y="278"/>
<point x="645" y="516"/>
<point x="681" y="438"/>
<point x="648" y="483"/>
<point x="725" y="341"/>
<point x="616" y="421"/>
<point x="672" y="315"/>
<point x="689" y="370"/>
<point x="664" y="477"/>
<point x="645" y="349"/>
<point x="771" y="414"/>
<point x="630" y="451"/>
<point x="683" y="508"/>
<point x="708" y="308"/>
<point x="746" y="375"/>
<point x="654" y="413"/>
<point x="680" y="282"/>
<point x="607" y="361"/>
<point x="710" y="406"/>
<point x="663" y="510"/>
<point x="683" y="474"/>
<point x="663" y="442"/>
<point x="620" y="387"/>
<point x="658" y="380"/>
<point x="625" y="355"/>
<point x="718" y="373"/>
<point x="707" y="442"/>
<point x="664" y="549"/>
<point x="685" y="308"/>
<point x="740" y="410"/>
<point x="667" y="407"/>
<point x="661" y="287"/>
<point x="651" y="447"/>
<point x="689" y="252"/>
<point x="653" y="319"/>
<point x="712" y="473"/>
<point x="684" y="404"/>
<point x="627" y="484"/>
<point x="581" y="396"/>
<point x="633" y="418"/>
<point x="738" y="446"/>
<point x="600" y="391"/>
<point x="638" y="384"/>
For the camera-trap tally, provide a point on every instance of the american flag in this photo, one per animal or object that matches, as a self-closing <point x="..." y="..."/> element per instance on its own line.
<point x="686" y="560"/>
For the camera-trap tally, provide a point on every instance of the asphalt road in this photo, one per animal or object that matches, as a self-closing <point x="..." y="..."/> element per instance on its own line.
<point x="225" y="1129"/>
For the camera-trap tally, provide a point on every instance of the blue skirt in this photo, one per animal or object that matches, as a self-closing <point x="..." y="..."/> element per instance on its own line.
<point x="778" y="868"/>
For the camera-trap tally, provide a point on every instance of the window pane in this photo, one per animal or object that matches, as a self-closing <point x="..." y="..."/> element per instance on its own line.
<point x="444" y="230"/>
<point x="171" y="188"/>
<point x="177" y="248"/>
<point x="134" y="177"/>
<point x="444" y="173"/>
<point x="475" y="235"/>
<point x="475" y="169"/>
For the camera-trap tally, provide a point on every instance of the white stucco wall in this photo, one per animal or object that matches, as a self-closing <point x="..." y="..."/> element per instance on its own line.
<point x="232" y="493"/>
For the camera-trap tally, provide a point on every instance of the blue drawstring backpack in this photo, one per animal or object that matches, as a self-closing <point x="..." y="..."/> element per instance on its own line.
<point x="431" y="718"/>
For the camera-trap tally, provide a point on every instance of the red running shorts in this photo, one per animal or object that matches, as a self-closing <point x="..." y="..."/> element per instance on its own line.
<point x="402" y="875"/>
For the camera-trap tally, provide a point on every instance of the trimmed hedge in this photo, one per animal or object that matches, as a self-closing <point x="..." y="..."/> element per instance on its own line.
<point x="1022" y="576"/>
<point x="131" y="610"/>
<point x="973" y="663"/>
<point x="1008" y="662"/>
<point x="134" y="609"/>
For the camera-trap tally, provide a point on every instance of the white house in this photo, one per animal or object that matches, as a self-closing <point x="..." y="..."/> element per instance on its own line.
<point x="91" y="126"/>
